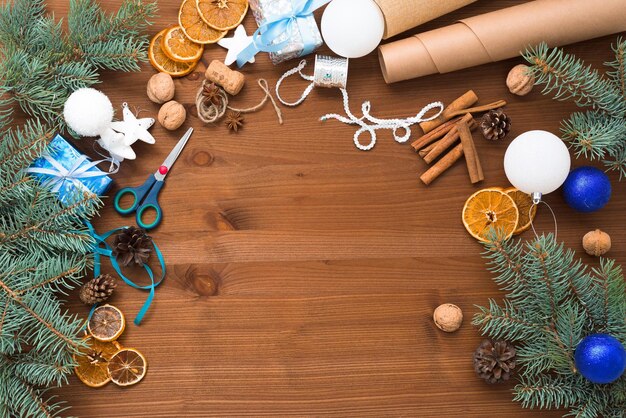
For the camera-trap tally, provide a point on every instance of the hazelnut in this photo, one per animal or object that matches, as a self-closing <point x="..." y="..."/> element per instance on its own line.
<point x="520" y="80"/>
<point x="161" y="88"/>
<point x="448" y="317"/>
<point x="596" y="243"/>
<point x="172" y="115"/>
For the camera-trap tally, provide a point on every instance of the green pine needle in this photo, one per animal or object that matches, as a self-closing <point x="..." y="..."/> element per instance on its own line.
<point x="45" y="247"/>
<point x="599" y="133"/>
<point x="552" y="302"/>
<point x="567" y="77"/>
<point x="42" y="64"/>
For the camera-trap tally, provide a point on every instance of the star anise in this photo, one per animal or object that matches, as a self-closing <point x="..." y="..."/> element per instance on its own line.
<point x="234" y="121"/>
<point x="211" y="94"/>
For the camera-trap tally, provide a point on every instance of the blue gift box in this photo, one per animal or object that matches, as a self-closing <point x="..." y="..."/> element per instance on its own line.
<point x="68" y="172"/>
<point x="287" y="29"/>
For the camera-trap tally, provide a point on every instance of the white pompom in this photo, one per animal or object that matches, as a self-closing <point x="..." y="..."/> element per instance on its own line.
<point x="88" y="112"/>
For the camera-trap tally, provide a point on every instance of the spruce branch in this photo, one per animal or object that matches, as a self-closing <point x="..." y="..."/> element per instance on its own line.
<point x="600" y="132"/>
<point x="594" y="136"/>
<point x="619" y="66"/>
<point x="45" y="247"/>
<point x="567" y="77"/>
<point x="43" y="64"/>
<point x="566" y="302"/>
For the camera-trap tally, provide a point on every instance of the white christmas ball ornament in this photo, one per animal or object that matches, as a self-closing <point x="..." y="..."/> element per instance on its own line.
<point x="352" y="28"/>
<point x="537" y="162"/>
<point x="88" y="112"/>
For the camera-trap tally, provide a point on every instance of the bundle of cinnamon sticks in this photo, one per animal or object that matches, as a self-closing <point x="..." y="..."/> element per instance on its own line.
<point x="442" y="133"/>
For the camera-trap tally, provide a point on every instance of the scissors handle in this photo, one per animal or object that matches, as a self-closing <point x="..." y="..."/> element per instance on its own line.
<point x="138" y="194"/>
<point x="151" y="202"/>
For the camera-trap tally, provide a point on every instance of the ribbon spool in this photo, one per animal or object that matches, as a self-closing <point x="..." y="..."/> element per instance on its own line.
<point x="329" y="72"/>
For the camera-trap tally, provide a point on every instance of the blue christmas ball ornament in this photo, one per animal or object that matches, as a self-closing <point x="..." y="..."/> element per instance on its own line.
<point x="600" y="358"/>
<point x="587" y="189"/>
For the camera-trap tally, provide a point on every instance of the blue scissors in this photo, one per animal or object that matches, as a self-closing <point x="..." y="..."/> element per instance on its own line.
<point x="145" y="196"/>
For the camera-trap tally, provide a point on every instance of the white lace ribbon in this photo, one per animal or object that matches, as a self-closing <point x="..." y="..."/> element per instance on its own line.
<point x="401" y="128"/>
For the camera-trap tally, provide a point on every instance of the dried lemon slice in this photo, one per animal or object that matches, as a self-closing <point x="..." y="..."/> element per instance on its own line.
<point x="127" y="367"/>
<point x="163" y="63"/>
<point x="489" y="209"/>
<point x="194" y="27"/>
<point x="179" y="47"/>
<point x="222" y="14"/>
<point x="525" y="207"/>
<point x="107" y="323"/>
<point x="92" y="362"/>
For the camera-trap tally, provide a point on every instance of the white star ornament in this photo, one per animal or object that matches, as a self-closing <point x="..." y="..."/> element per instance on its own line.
<point x="236" y="44"/>
<point x="134" y="129"/>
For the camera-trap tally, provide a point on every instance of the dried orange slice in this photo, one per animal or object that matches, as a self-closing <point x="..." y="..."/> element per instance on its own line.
<point x="525" y="207"/>
<point x="107" y="323"/>
<point x="163" y="63"/>
<point x="178" y="47"/>
<point x="91" y="364"/>
<point x="194" y="27"/>
<point x="489" y="209"/>
<point x="127" y="367"/>
<point x="222" y="14"/>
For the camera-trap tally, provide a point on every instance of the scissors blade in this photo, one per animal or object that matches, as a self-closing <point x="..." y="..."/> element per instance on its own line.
<point x="169" y="161"/>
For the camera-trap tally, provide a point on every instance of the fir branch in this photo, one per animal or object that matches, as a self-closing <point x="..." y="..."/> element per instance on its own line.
<point x="568" y="302"/>
<point x="593" y="135"/>
<point x="506" y="322"/>
<point x="617" y="163"/>
<point x="569" y="78"/>
<point x="18" y="300"/>
<point x="43" y="65"/>
<point x="619" y="66"/>
<point x="548" y="392"/>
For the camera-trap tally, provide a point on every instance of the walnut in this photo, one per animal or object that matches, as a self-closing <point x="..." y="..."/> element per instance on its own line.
<point x="172" y="115"/>
<point x="448" y="317"/>
<point x="596" y="243"/>
<point x="161" y="88"/>
<point x="520" y="80"/>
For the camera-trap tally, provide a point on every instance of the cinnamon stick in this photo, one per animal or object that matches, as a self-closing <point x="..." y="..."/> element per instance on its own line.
<point x="433" y="135"/>
<point x="471" y="157"/>
<point x="450" y="138"/>
<point x="424" y="151"/>
<point x="481" y="108"/>
<point x="463" y="102"/>
<point x="442" y="165"/>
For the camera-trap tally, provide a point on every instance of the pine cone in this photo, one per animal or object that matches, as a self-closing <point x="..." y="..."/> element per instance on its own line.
<point x="494" y="361"/>
<point x="495" y="124"/>
<point x="132" y="245"/>
<point x="98" y="289"/>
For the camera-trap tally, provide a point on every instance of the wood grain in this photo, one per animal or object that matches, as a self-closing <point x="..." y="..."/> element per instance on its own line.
<point x="303" y="273"/>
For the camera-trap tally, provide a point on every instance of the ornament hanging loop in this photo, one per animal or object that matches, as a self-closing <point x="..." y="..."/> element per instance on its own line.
<point x="537" y="200"/>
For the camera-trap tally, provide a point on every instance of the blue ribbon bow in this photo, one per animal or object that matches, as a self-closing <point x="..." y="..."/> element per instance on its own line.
<point x="59" y="174"/>
<point x="102" y="248"/>
<point x="266" y="34"/>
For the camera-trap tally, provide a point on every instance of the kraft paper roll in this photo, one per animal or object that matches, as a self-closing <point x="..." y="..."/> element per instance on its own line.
<point x="401" y="15"/>
<point x="500" y="35"/>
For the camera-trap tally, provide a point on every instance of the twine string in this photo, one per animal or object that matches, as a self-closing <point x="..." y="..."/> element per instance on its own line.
<point x="268" y="96"/>
<point x="211" y="112"/>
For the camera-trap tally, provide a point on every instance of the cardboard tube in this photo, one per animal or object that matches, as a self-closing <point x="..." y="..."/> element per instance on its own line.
<point x="500" y="35"/>
<point x="401" y="15"/>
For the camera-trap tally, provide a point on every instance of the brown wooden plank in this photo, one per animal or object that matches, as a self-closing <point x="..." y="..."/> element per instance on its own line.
<point x="302" y="273"/>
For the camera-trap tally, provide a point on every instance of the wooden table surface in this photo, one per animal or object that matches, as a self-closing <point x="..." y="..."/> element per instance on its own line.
<point x="302" y="273"/>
